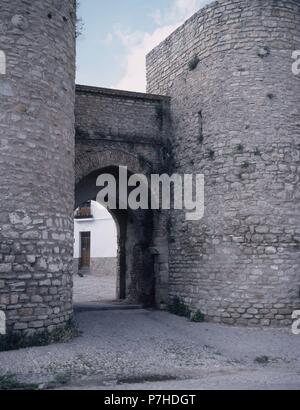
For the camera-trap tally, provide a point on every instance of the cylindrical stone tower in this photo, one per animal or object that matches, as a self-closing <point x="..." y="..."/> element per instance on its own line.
<point x="236" y="110"/>
<point x="37" y="93"/>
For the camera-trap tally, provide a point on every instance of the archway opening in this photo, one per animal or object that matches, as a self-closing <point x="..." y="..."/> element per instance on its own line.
<point x="135" y="262"/>
<point x="95" y="254"/>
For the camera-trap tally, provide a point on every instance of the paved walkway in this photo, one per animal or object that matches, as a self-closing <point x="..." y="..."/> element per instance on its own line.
<point x="155" y="350"/>
<point x="94" y="288"/>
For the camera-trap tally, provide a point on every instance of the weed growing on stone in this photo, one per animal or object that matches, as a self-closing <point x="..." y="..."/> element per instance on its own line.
<point x="79" y="21"/>
<point x="257" y="152"/>
<point x="193" y="63"/>
<point x="198" y="317"/>
<point x="263" y="52"/>
<point x="159" y="109"/>
<point x="60" y="379"/>
<point x="179" y="308"/>
<point x="240" y="148"/>
<point x="262" y="360"/>
<point x="15" y="341"/>
<point x="245" y="165"/>
<point x="10" y="382"/>
<point x="211" y="154"/>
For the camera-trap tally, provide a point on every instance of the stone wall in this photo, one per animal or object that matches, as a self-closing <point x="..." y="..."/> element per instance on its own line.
<point x="99" y="266"/>
<point x="235" y="113"/>
<point x="36" y="163"/>
<point x="104" y="266"/>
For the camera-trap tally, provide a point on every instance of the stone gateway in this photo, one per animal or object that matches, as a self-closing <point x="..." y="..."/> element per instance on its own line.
<point x="222" y="101"/>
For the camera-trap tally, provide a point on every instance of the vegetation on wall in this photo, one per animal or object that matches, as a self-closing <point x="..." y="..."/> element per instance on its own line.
<point x="159" y="109"/>
<point x="193" y="63"/>
<point x="257" y="152"/>
<point x="168" y="158"/>
<point x="14" y="341"/>
<point x="211" y="154"/>
<point x="263" y="52"/>
<point x="240" y="148"/>
<point x="245" y="165"/>
<point x="200" y="127"/>
<point x="179" y="308"/>
<point x="198" y="317"/>
<point x="10" y="382"/>
<point x="162" y="113"/>
<point x="79" y="21"/>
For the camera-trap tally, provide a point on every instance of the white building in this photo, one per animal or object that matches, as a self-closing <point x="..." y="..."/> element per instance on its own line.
<point x="95" y="245"/>
<point x="2" y="63"/>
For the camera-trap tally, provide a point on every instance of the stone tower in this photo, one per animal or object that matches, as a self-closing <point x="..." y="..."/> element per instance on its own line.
<point x="235" y="108"/>
<point x="37" y="92"/>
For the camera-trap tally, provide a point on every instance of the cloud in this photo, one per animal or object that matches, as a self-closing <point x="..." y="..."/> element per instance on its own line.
<point x="139" y="44"/>
<point x="108" y="40"/>
<point x="128" y="38"/>
<point x="179" y="11"/>
<point x="134" y="78"/>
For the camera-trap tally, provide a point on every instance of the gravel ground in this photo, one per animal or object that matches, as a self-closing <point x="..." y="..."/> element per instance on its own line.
<point x="148" y="349"/>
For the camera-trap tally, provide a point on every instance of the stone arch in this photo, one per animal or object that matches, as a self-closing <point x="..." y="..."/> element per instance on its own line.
<point x="86" y="163"/>
<point x="136" y="271"/>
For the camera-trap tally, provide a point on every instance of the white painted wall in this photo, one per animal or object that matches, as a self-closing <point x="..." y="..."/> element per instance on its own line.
<point x="103" y="233"/>
<point x="2" y="323"/>
<point x="2" y="63"/>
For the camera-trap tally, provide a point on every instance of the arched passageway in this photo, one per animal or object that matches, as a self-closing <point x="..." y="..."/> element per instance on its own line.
<point x="136" y="264"/>
<point x="111" y="132"/>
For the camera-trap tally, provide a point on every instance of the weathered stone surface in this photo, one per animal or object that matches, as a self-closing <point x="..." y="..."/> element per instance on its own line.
<point x="36" y="158"/>
<point x="246" y="248"/>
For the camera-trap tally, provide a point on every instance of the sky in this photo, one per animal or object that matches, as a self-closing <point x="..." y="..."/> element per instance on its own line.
<point x="117" y="35"/>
